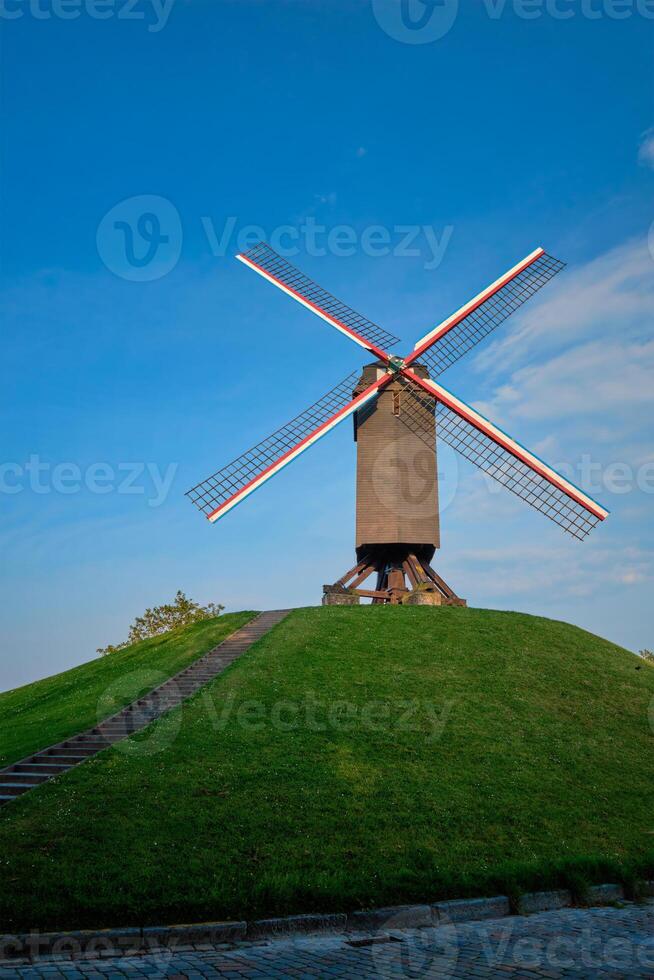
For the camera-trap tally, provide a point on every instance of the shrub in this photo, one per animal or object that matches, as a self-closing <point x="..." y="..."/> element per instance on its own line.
<point x="162" y="619"/>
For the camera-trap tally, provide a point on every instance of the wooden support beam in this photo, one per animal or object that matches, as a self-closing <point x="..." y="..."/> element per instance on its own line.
<point x="372" y="594"/>
<point x="396" y="580"/>
<point x="418" y="570"/>
<point x="410" y="573"/>
<point x="366" y="573"/>
<point x="440" y="583"/>
<point x="353" y="571"/>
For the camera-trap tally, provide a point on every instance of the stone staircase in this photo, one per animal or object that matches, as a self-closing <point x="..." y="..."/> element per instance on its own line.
<point x="48" y="763"/>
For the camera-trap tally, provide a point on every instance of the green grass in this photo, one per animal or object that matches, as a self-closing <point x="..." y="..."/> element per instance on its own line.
<point x="43" y="713"/>
<point x="481" y="751"/>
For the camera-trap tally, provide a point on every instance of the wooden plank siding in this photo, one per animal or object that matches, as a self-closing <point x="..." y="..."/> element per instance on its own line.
<point x="397" y="485"/>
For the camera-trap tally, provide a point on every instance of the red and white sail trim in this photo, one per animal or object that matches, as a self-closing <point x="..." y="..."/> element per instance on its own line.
<point x="474" y="436"/>
<point x="277" y="270"/>
<point x="515" y="448"/>
<point x="292" y="454"/>
<point x="438" y="332"/>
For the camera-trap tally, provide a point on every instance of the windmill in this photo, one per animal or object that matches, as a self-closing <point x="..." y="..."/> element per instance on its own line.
<point x="399" y="411"/>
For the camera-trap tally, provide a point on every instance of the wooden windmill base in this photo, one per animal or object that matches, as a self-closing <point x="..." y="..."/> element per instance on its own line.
<point x="402" y="578"/>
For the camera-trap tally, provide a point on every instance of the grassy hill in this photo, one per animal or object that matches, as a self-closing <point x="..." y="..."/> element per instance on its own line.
<point x="47" y="711"/>
<point x="353" y="757"/>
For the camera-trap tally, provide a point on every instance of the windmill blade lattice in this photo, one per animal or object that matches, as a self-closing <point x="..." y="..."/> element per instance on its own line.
<point x="266" y="261"/>
<point x="474" y="327"/>
<point x="219" y="488"/>
<point x="496" y="461"/>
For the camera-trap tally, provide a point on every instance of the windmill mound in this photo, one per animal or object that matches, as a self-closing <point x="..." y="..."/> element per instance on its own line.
<point x="353" y="757"/>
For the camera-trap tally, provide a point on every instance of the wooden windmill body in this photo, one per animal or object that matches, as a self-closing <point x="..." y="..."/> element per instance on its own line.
<point x="398" y="410"/>
<point x="397" y="519"/>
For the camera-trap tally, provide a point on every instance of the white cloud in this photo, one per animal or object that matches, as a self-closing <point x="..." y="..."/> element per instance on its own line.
<point x="584" y="354"/>
<point x="594" y="378"/>
<point x="521" y="569"/>
<point x="610" y="296"/>
<point x="646" y="149"/>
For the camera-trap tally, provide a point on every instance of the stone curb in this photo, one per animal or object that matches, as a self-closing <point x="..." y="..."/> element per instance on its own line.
<point x="605" y="894"/>
<point x="395" y="917"/>
<point x="543" y="901"/>
<point x="295" y="924"/>
<point x="133" y="941"/>
<point x="472" y="909"/>
<point x="211" y="933"/>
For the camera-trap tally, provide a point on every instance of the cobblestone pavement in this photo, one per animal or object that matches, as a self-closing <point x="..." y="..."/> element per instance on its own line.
<point x="611" y="942"/>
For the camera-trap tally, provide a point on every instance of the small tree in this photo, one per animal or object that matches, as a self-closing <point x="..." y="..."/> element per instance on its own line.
<point x="647" y="655"/>
<point x="161" y="619"/>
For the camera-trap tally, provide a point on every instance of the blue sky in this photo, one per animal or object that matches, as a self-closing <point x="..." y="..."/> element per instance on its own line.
<point x="507" y="132"/>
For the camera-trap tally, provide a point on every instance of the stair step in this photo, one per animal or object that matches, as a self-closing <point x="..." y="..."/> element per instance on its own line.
<point x="45" y="767"/>
<point x="65" y="758"/>
<point x="31" y="778"/>
<point x="14" y="789"/>
<point x="136" y="716"/>
<point x="79" y="749"/>
<point x="96" y="744"/>
<point x="14" y="776"/>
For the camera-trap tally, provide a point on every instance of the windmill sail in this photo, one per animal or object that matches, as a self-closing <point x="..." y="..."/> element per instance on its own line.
<point x="264" y="260"/>
<point x="224" y="489"/>
<point x="426" y="402"/>
<point x="453" y="338"/>
<point x="503" y="458"/>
